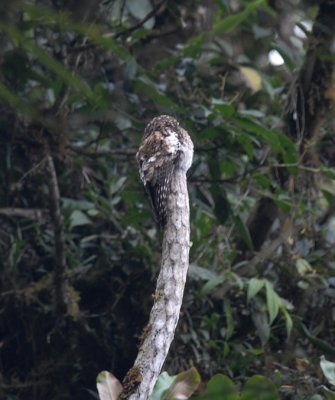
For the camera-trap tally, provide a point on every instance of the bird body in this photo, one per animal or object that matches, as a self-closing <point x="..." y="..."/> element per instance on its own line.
<point x="166" y="148"/>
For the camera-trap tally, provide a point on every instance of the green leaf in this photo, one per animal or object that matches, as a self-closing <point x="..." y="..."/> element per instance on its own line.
<point x="184" y="385"/>
<point x="162" y="385"/>
<point x="108" y="386"/>
<point x="232" y="21"/>
<point x="83" y="205"/>
<point x="256" y="352"/>
<point x="262" y="181"/>
<point x="194" y="46"/>
<point x="290" y="155"/>
<point x="283" y="201"/>
<point x="78" y="218"/>
<point x="288" y="319"/>
<point x="226" y="110"/>
<point x="267" y="135"/>
<point x="328" y="369"/>
<point x="329" y="394"/>
<point x="303" y="266"/>
<point x="259" y="388"/>
<point x="254" y="286"/>
<point x="202" y="273"/>
<point x="117" y="185"/>
<point x="221" y="387"/>
<point x="318" y="343"/>
<point x="210" y="285"/>
<point x="144" y="84"/>
<point x="273" y="301"/>
<point x="330" y="172"/>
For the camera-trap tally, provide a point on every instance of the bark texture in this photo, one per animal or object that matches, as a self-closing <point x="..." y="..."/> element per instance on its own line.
<point x="159" y="333"/>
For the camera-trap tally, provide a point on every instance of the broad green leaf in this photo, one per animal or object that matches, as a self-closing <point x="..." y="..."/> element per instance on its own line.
<point x="254" y="286"/>
<point x="232" y="21"/>
<point x="226" y="110"/>
<point x="78" y="218"/>
<point x="329" y="394"/>
<point x="210" y="285"/>
<point x="202" y="273"/>
<point x="144" y="84"/>
<point x="318" y="343"/>
<point x="227" y="167"/>
<point x="328" y="369"/>
<point x="303" y="266"/>
<point x="273" y="301"/>
<point x="263" y="181"/>
<point x="330" y="172"/>
<point x="165" y="64"/>
<point x="221" y="387"/>
<point x="162" y="385"/>
<point x="117" y="185"/>
<point x="108" y="386"/>
<point x="290" y="155"/>
<point x="259" y="387"/>
<point x="184" y="385"/>
<point x="256" y="352"/>
<point x="267" y="135"/>
<point x="316" y="397"/>
<point x="288" y="319"/>
<point x="247" y="141"/>
<point x="283" y="202"/>
<point x="194" y="46"/>
<point x="77" y="204"/>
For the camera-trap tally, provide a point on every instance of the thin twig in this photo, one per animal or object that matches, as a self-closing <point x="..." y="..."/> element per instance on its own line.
<point x="38" y="214"/>
<point x="31" y="171"/>
<point x="297" y="165"/>
<point x="60" y="268"/>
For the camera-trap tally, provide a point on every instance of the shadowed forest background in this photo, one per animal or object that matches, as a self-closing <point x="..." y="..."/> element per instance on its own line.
<point x="253" y="83"/>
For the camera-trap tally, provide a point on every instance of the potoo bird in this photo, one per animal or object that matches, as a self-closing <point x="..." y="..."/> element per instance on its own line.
<point x="165" y="150"/>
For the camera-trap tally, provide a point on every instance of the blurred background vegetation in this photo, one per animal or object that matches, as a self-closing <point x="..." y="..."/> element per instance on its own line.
<point x="252" y="81"/>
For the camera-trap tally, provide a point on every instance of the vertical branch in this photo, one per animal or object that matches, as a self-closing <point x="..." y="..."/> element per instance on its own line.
<point x="159" y="332"/>
<point x="60" y="284"/>
<point x="164" y="157"/>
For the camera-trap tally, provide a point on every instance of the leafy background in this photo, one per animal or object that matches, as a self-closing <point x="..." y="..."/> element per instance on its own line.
<point x="80" y="251"/>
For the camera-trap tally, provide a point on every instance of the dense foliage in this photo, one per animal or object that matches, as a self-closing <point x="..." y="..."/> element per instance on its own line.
<point x="252" y="83"/>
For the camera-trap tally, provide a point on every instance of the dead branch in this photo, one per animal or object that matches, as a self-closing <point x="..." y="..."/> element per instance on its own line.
<point x="60" y="267"/>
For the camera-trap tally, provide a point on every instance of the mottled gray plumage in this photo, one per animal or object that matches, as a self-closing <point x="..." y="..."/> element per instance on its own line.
<point x="165" y="148"/>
